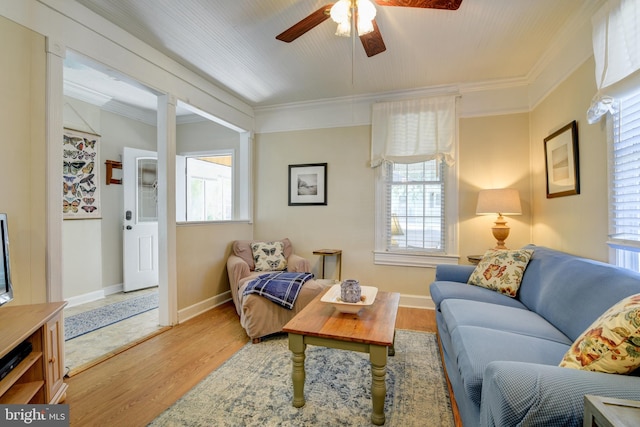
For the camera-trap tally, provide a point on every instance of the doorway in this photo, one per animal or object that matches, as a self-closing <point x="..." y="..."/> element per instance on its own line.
<point x="93" y="275"/>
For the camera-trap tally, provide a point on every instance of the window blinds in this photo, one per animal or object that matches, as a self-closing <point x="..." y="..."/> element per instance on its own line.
<point x="624" y="215"/>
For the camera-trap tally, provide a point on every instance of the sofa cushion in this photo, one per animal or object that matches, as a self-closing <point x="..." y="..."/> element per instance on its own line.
<point x="501" y="270"/>
<point x="492" y="316"/>
<point x="443" y="290"/>
<point x="612" y="343"/>
<point x="242" y="248"/>
<point x="269" y="256"/>
<point x="572" y="292"/>
<point x="475" y="347"/>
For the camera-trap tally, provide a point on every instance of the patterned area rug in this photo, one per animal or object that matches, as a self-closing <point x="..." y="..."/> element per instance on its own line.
<point x="88" y="321"/>
<point x="254" y="388"/>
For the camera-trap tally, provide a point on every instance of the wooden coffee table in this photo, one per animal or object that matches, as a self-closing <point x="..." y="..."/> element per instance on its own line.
<point x="371" y="331"/>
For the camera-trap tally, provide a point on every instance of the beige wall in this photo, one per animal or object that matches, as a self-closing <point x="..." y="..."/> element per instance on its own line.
<point x="23" y="158"/>
<point x="202" y="251"/>
<point x="576" y="224"/>
<point x="494" y="152"/>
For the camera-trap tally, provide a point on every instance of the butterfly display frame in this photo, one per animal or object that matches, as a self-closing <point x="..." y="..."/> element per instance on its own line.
<point x="80" y="175"/>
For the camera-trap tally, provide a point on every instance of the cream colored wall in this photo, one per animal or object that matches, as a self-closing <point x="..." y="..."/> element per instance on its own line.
<point x="23" y="159"/>
<point x="493" y="152"/>
<point x="202" y="251"/>
<point x="576" y="224"/>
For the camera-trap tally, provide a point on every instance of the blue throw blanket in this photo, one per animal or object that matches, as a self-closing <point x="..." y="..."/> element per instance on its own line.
<point x="280" y="287"/>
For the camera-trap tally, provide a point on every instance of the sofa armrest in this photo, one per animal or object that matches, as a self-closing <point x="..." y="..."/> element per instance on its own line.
<point x="454" y="273"/>
<point x="237" y="268"/>
<point x="518" y="393"/>
<point x="297" y="264"/>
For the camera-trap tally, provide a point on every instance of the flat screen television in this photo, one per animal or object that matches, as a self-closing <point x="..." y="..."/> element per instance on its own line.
<point x="6" y="289"/>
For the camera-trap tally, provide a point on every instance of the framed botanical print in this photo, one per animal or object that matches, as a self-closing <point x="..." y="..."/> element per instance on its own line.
<point x="80" y="175"/>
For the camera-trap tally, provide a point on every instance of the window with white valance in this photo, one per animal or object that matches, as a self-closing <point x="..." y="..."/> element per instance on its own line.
<point x="616" y="50"/>
<point x="414" y="130"/>
<point x="413" y="145"/>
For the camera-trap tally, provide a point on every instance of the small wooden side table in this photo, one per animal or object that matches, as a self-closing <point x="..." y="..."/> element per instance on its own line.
<point x="609" y="412"/>
<point x="330" y="252"/>
<point x="474" y="259"/>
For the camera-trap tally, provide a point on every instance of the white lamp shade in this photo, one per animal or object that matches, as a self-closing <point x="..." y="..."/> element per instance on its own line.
<point x="501" y="201"/>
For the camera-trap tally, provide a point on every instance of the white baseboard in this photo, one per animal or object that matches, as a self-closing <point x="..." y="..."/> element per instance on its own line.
<point x="85" y="298"/>
<point x="93" y="296"/>
<point x="199" y="308"/>
<point x="417" y="301"/>
<point x="412" y="301"/>
<point x="113" y="289"/>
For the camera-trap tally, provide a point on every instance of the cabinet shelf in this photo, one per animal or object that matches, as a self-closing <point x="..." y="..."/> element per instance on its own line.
<point x="39" y="377"/>
<point x="21" y="393"/>
<point x="18" y="371"/>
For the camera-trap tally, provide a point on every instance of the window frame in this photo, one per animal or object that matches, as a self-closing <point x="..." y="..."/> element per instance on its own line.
<point x="183" y="182"/>
<point x="622" y="252"/>
<point x="417" y="258"/>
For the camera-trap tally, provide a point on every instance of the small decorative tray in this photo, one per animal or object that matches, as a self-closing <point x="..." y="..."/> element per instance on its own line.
<point x="333" y="297"/>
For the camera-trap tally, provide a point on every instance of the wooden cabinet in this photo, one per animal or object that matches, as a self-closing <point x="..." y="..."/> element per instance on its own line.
<point x="39" y="377"/>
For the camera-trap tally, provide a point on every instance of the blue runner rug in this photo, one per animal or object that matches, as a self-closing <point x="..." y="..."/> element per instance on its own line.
<point x="89" y="321"/>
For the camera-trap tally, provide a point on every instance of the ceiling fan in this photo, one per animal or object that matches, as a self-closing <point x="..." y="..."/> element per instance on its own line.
<point x="371" y="38"/>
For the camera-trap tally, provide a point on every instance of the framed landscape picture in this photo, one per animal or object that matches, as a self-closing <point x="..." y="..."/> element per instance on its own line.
<point x="561" y="161"/>
<point x="308" y="184"/>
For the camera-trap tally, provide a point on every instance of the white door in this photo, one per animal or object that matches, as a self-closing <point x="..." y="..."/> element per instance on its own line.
<point x="140" y="238"/>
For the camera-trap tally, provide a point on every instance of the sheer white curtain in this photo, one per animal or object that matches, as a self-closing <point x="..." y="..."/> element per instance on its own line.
<point x="616" y="49"/>
<point x="413" y="131"/>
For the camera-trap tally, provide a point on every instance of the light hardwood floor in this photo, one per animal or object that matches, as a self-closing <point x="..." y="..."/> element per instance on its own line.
<point x="135" y="386"/>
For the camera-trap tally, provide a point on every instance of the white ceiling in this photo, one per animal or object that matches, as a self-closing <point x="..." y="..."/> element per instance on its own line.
<point x="232" y="43"/>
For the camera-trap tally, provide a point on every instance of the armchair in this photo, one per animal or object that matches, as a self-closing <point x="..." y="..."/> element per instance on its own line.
<point x="259" y="316"/>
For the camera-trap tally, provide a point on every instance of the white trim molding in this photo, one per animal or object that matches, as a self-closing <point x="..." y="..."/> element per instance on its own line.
<point x="406" y="259"/>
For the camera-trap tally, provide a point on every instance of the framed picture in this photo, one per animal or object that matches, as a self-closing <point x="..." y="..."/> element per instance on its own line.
<point x="308" y="184"/>
<point x="561" y="161"/>
<point x="80" y="175"/>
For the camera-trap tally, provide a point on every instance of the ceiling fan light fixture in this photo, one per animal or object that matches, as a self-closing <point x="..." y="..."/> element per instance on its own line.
<point x="366" y="15"/>
<point x="342" y="12"/>
<point x="344" y="29"/>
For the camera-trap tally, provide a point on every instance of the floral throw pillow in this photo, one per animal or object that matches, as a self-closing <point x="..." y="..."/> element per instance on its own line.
<point x="501" y="270"/>
<point x="269" y="256"/>
<point x="612" y="343"/>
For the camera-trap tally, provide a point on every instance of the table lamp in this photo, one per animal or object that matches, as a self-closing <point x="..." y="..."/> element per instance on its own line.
<point x="499" y="201"/>
<point x="396" y="229"/>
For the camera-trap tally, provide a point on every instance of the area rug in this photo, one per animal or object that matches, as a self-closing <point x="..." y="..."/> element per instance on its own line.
<point x="89" y="321"/>
<point x="253" y="388"/>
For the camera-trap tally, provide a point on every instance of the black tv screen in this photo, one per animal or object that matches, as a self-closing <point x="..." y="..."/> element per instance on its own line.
<point x="6" y="289"/>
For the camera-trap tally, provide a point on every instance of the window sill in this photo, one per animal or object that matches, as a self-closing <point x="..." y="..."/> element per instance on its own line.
<point x="408" y="259"/>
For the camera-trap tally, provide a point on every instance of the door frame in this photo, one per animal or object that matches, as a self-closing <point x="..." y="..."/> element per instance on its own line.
<point x="166" y="145"/>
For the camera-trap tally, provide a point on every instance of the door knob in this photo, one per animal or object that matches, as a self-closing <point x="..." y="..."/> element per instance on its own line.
<point x="129" y="227"/>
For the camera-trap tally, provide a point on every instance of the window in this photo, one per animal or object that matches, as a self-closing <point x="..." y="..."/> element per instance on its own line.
<point x="209" y="188"/>
<point x="413" y="145"/>
<point x="416" y="214"/>
<point x="416" y="193"/>
<point x="624" y="181"/>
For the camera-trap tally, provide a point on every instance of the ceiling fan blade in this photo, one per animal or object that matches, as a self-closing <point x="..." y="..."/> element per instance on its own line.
<point x="372" y="42"/>
<point x="425" y="4"/>
<point x="308" y="23"/>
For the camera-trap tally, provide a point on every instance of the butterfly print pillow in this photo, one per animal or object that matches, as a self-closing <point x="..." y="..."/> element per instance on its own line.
<point x="269" y="256"/>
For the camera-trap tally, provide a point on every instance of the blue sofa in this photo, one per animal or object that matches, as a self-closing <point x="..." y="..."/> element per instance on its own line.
<point x="501" y="354"/>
